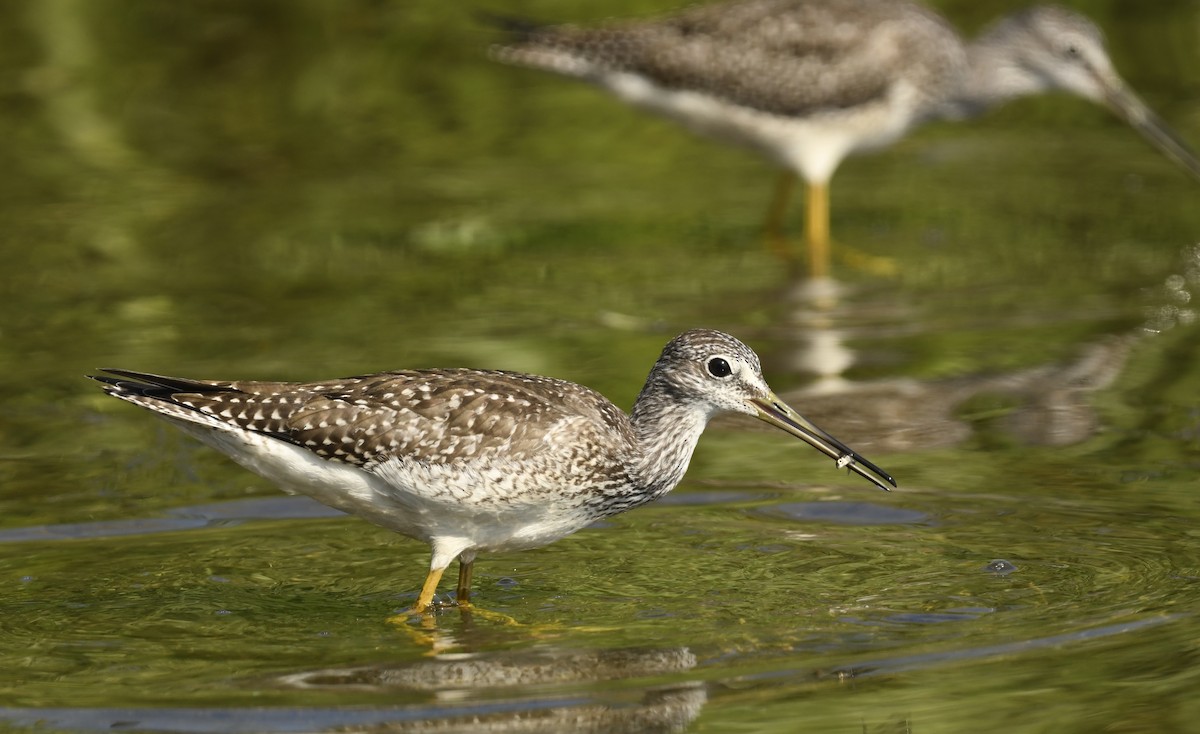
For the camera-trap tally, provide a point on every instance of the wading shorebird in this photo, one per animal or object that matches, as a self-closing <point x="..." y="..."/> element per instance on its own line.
<point x="808" y="82"/>
<point x="473" y="461"/>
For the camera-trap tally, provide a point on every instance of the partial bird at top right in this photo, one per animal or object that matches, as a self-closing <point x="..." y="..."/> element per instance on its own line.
<point x="808" y="82"/>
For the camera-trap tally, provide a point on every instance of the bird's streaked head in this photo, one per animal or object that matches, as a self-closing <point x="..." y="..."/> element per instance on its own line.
<point x="713" y="372"/>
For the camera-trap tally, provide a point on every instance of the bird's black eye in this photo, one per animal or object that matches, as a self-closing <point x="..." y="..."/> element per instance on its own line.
<point x="718" y="367"/>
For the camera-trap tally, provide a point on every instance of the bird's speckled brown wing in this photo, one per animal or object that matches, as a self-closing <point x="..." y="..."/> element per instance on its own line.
<point x="435" y="416"/>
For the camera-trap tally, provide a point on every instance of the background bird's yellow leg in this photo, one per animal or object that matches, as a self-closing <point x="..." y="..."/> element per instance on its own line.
<point x="777" y="241"/>
<point x="462" y="593"/>
<point x="816" y="220"/>
<point x="873" y="264"/>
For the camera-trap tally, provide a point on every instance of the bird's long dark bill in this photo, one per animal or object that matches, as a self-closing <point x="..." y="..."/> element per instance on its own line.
<point x="778" y="414"/>
<point x="1152" y="128"/>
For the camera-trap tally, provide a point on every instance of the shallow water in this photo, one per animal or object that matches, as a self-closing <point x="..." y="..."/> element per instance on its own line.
<point x="309" y="190"/>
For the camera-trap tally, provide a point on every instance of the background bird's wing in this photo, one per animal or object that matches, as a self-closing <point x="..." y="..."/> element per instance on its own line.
<point x="786" y="57"/>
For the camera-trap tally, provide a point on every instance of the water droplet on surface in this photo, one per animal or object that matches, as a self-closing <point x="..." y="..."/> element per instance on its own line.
<point x="1000" y="566"/>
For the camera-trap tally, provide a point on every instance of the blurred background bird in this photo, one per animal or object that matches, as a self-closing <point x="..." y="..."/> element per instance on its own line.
<point x="808" y="82"/>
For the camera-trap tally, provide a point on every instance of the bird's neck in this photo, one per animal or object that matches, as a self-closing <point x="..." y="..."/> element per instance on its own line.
<point x="994" y="73"/>
<point x="666" y="430"/>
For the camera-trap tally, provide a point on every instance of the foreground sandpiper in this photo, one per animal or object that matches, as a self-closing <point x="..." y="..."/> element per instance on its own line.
<point x="808" y="82"/>
<point x="474" y="461"/>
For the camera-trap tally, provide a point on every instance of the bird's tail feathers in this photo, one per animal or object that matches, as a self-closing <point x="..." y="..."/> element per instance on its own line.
<point x="150" y="385"/>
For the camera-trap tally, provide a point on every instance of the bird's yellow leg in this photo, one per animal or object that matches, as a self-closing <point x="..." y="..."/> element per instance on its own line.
<point x="428" y="590"/>
<point x="816" y="229"/>
<point x="462" y="592"/>
<point x="777" y="241"/>
<point x="462" y="595"/>
<point x="424" y="599"/>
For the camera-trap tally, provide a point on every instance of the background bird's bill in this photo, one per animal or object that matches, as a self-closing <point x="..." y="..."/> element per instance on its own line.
<point x="1150" y="126"/>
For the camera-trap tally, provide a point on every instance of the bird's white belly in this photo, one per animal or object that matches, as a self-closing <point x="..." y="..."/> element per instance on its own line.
<point x="812" y="146"/>
<point x="499" y="507"/>
<point x="479" y="508"/>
